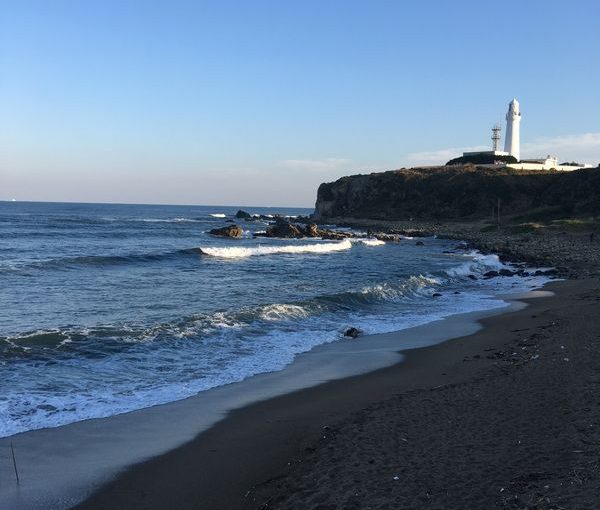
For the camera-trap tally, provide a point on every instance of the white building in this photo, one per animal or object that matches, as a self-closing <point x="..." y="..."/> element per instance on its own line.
<point x="512" y="142"/>
<point x="548" y="163"/>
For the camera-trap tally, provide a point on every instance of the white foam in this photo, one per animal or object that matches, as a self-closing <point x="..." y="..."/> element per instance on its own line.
<point x="242" y="252"/>
<point x="372" y="242"/>
<point x="415" y="286"/>
<point x="166" y="220"/>
<point x="218" y="215"/>
<point x="279" y="311"/>
<point x="479" y="263"/>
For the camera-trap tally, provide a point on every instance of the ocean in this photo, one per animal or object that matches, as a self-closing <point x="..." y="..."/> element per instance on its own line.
<point x="109" y="308"/>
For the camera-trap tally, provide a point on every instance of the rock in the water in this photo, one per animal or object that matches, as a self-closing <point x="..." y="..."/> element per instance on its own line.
<point x="420" y="243"/>
<point x="334" y="236"/>
<point x="491" y="274"/>
<point x="506" y="272"/>
<point x="243" y="215"/>
<point x="312" y="230"/>
<point x="388" y="238"/>
<point x="284" y="229"/>
<point x="352" y="332"/>
<point x="436" y="294"/>
<point x="228" y="231"/>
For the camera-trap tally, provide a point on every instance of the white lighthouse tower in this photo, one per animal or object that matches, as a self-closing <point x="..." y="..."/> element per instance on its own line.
<point x="513" y="119"/>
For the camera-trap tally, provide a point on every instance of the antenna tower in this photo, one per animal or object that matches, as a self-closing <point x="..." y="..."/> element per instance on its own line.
<point x="496" y="136"/>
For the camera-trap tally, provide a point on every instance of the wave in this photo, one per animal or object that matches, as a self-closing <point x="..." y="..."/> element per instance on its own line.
<point x="207" y="323"/>
<point x="166" y="220"/>
<point x="416" y="286"/>
<point x="218" y="215"/>
<point x="279" y="311"/>
<point x="371" y="242"/>
<point x="243" y="252"/>
<point x="478" y="265"/>
<point x="139" y="365"/>
<point x="98" y="260"/>
<point x="232" y="252"/>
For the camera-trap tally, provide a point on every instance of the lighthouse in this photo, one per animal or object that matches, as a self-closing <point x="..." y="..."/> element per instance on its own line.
<point x="512" y="149"/>
<point x="513" y="119"/>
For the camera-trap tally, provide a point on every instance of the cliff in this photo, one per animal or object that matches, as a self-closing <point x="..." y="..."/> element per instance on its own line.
<point x="460" y="192"/>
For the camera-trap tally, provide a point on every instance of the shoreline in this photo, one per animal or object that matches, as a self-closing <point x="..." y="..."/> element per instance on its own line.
<point x="277" y="424"/>
<point x="574" y="253"/>
<point x="259" y="455"/>
<point x="84" y="456"/>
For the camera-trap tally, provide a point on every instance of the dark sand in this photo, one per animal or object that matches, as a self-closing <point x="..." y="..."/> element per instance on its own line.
<point x="508" y="417"/>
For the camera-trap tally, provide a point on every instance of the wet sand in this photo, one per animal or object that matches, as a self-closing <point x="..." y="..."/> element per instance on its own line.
<point x="506" y="417"/>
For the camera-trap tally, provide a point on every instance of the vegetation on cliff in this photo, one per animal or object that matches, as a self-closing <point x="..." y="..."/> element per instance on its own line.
<point x="482" y="159"/>
<point x="461" y="192"/>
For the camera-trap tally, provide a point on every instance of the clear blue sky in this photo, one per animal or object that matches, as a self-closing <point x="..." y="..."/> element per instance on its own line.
<point x="257" y="102"/>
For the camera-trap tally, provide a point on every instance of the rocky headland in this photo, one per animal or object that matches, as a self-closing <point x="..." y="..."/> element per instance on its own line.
<point x="545" y="218"/>
<point x="458" y="192"/>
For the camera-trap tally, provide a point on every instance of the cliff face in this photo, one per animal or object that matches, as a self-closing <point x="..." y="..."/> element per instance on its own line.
<point x="460" y="192"/>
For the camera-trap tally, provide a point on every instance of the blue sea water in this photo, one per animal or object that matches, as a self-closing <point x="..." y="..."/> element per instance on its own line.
<point x="109" y="308"/>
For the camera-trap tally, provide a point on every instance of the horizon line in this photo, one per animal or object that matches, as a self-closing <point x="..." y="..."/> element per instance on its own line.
<point x="151" y="203"/>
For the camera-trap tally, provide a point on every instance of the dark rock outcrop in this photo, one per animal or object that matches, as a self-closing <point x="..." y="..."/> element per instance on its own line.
<point x="332" y="235"/>
<point x="506" y="272"/>
<point x="284" y="229"/>
<point x="228" y="231"/>
<point x="352" y="332"/>
<point x="460" y="192"/>
<point x="312" y="230"/>
<point x="388" y="238"/>
<point x="243" y="215"/>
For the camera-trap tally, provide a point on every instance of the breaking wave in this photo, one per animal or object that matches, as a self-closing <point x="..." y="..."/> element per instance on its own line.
<point x="235" y="252"/>
<point x="478" y="265"/>
<point x="210" y="323"/>
<point x="228" y="252"/>
<point x="372" y="242"/>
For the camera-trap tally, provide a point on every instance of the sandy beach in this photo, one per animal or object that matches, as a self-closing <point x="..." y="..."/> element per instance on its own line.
<point x="505" y="417"/>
